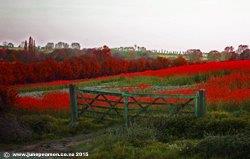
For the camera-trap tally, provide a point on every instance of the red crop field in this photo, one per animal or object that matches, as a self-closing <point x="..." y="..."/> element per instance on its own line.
<point x="233" y="87"/>
<point x="230" y="88"/>
<point x="51" y="101"/>
<point x="239" y="66"/>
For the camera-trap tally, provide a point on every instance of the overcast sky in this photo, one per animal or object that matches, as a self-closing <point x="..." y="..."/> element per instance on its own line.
<point x="155" y="24"/>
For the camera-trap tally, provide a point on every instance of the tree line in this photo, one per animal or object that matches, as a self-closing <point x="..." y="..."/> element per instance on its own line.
<point x="229" y="53"/>
<point x="23" y="66"/>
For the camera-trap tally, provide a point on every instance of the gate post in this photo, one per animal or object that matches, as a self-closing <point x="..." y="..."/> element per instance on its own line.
<point x="73" y="103"/>
<point x="200" y="103"/>
<point x="125" y="110"/>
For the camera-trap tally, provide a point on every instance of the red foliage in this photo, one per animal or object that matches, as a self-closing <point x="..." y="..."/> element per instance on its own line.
<point x="179" y="61"/>
<point x="52" y="101"/>
<point x="233" y="88"/>
<point x="242" y="65"/>
<point x="98" y="62"/>
<point x="230" y="88"/>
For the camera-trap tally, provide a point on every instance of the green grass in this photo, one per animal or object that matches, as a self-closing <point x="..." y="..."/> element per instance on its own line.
<point x="166" y="81"/>
<point x="134" y="81"/>
<point x="44" y="125"/>
<point x="174" y="137"/>
<point x="244" y="106"/>
<point x="25" y="89"/>
<point x="45" y="87"/>
<point x="154" y="136"/>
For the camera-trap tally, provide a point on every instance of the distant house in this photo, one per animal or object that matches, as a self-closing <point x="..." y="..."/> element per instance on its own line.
<point x="76" y="46"/>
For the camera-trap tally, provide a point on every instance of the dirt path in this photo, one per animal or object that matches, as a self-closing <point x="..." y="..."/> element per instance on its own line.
<point x="61" y="145"/>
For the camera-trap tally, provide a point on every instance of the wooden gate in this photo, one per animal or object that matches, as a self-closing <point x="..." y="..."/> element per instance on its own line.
<point x="102" y="103"/>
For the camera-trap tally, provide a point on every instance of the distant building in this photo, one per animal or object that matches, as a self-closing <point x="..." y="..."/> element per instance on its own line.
<point x="76" y="46"/>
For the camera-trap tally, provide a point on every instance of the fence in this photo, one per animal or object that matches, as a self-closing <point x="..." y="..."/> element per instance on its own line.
<point x="102" y="103"/>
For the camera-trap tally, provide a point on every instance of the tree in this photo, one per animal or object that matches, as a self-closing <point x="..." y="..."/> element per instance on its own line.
<point x="10" y="45"/>
<point x="34" y="46"/>
<point x="229" y="53"/>
<point x="106" y="50"/>
<point x="245" y="55"/>
<point x="61" y="45"/>
<point x="72" y="64"/>
<point x="242" y="48"/>
<point x="25" y="46"/>
<point x="194" y="55"/>
<point x="31" y="45"/>
<point x="229" y="49"/>
<point x="50" y="46"/>
<point x="76" y="46"/>
<point x="65" y="45"/>
<point x="214" y="55"/>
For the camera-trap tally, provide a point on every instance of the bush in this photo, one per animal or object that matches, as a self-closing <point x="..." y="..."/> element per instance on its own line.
<point x="157" y="150"/>
<point x="189" y="127"/>
<point x="136" y="135"/>
<point x="139" y="136"/>
<point x="8" y="97"/>
<point x="230" y="106"/>
<point x="40" y="124"/>
<point x="11" y="130"/>
<point x="179" y="61"/>
<point x="233" y="147"/>
<point x="43" y="124"/>
<point x="85" y="125"/>
<point x="119" y="150"/>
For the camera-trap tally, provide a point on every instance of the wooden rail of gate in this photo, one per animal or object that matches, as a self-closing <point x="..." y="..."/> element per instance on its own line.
<point x="79" y="106"/>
